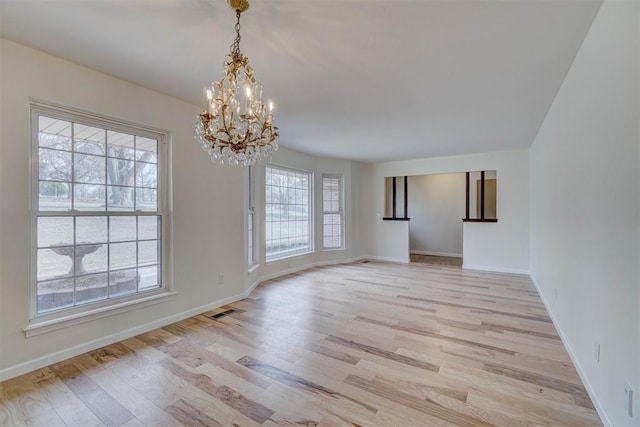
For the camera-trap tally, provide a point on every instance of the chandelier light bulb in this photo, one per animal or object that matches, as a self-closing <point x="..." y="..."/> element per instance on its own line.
<point x="235" y="130"/>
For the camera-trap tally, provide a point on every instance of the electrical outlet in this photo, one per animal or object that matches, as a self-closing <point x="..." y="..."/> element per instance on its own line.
<point x="628" y="400"/>
<point x="220" y="279"/>
<point x="596" y="352"/>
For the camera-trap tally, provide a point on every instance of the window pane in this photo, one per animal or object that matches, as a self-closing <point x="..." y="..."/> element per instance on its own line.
<point x="148" y="277"/>
<point x="332" y="231"/>
<point x="55" y="231"/>
<point x="91" y="259"/>
<point x="123" y="282"/>
<point x="87" y="139"/>
<point x="148" y="227"/>
<point x="88" y="169"/>
<point x="146" y="175"/>
<point x="120" y="172"/>
<point x="122" y="255"/>
<point x="148" y="252"/>
<point x="54" y="165"/>
<point x="88" y="197"/>
<point x="120" y="198"/>
<point x="54" y="294"/>
<point x="146" y="200"/>
<point x="91" y="288"/>
<point x="54" y="133"/>
<point x="120" y="145"/>
<point x="146" y="150"/>
<point x="54" y="196"/>
<point x="55" y="262"/>
<point x="91" y="229"/>
<point x="331" y="194"/>
<point x="122" y="228"/>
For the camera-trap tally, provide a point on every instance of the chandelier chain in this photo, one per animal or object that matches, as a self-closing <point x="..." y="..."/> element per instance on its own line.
<point x="235" y="46"/>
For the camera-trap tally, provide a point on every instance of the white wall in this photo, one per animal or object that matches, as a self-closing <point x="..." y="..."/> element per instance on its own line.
<point x="207" y="207"/>
<point x="436" y="207"/>
<point x="501" y="246"/>
<point x="358" y="192"/>
<point x="585" y="209"/>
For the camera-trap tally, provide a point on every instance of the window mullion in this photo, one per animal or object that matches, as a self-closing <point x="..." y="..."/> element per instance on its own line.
<point x="108" y="256"/>
<point x="106" y="171"/>
<point x="73" y="263"/>
<point x="138" y="256"/>
<point x="72" y="184"/>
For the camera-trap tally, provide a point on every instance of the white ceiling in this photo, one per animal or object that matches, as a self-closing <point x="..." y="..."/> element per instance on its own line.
<point x="368" y="80"/>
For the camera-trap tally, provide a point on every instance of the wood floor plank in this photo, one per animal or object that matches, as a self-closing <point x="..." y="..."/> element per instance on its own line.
<point x="145" y="411"/>
<point x="102" y="404"/>
<point x="227" y="395"/>
<point x="359" y="344"/>
<point x="383" y="353"/>
<point x="295" y="381"/>
<point x="66" y="404"/>
<point x="190" y="416"/>
<point x="423" y="405"/>
<point x="24" y="400"/>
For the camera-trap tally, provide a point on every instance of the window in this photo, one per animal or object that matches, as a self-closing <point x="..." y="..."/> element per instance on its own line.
<point x="96" y="209"/>
<point x="332" y="237"/>
<point x="288" y="212"/>
<point x="250" y="219"/>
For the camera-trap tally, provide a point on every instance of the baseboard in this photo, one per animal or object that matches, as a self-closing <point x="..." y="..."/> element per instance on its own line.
<point x="300" y="268"/>
<point x="59" y="356"/>
<point x="496" y="269"/>
<point x="449" y="254"/>
<point x="41" y="362"/>
<point x="585" y="380"/>
<point x="388" y="259"/>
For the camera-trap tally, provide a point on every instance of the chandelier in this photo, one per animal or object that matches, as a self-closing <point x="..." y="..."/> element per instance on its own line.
<point x="236" y="126"/>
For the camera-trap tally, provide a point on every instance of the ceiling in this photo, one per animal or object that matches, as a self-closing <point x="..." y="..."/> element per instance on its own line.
<point x="368" y="80"/>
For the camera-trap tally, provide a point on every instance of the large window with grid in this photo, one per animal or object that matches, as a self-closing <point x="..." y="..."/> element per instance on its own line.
<point x="97" y="213"/>
<point x="332" y="212"/>
<point x="288" y="212"/>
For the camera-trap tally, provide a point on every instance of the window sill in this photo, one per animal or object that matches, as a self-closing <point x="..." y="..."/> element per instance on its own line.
<point x="289" y="256"/>
<point x="390" y="218"/>
<point x="39" y="327"/>
<point x="253" y="268"/>
<point x="479" y="220"/>
<point x="333" y="249"/>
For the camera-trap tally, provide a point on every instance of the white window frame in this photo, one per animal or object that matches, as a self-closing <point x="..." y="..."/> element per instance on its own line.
<point x="340" y="211"/>
<point x="311" y="249"/>
<point x="251" y="220"/>
<point x="64" y="317"/>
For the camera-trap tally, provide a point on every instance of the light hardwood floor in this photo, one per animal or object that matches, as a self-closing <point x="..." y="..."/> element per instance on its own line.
<point x="364" y="344"/>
